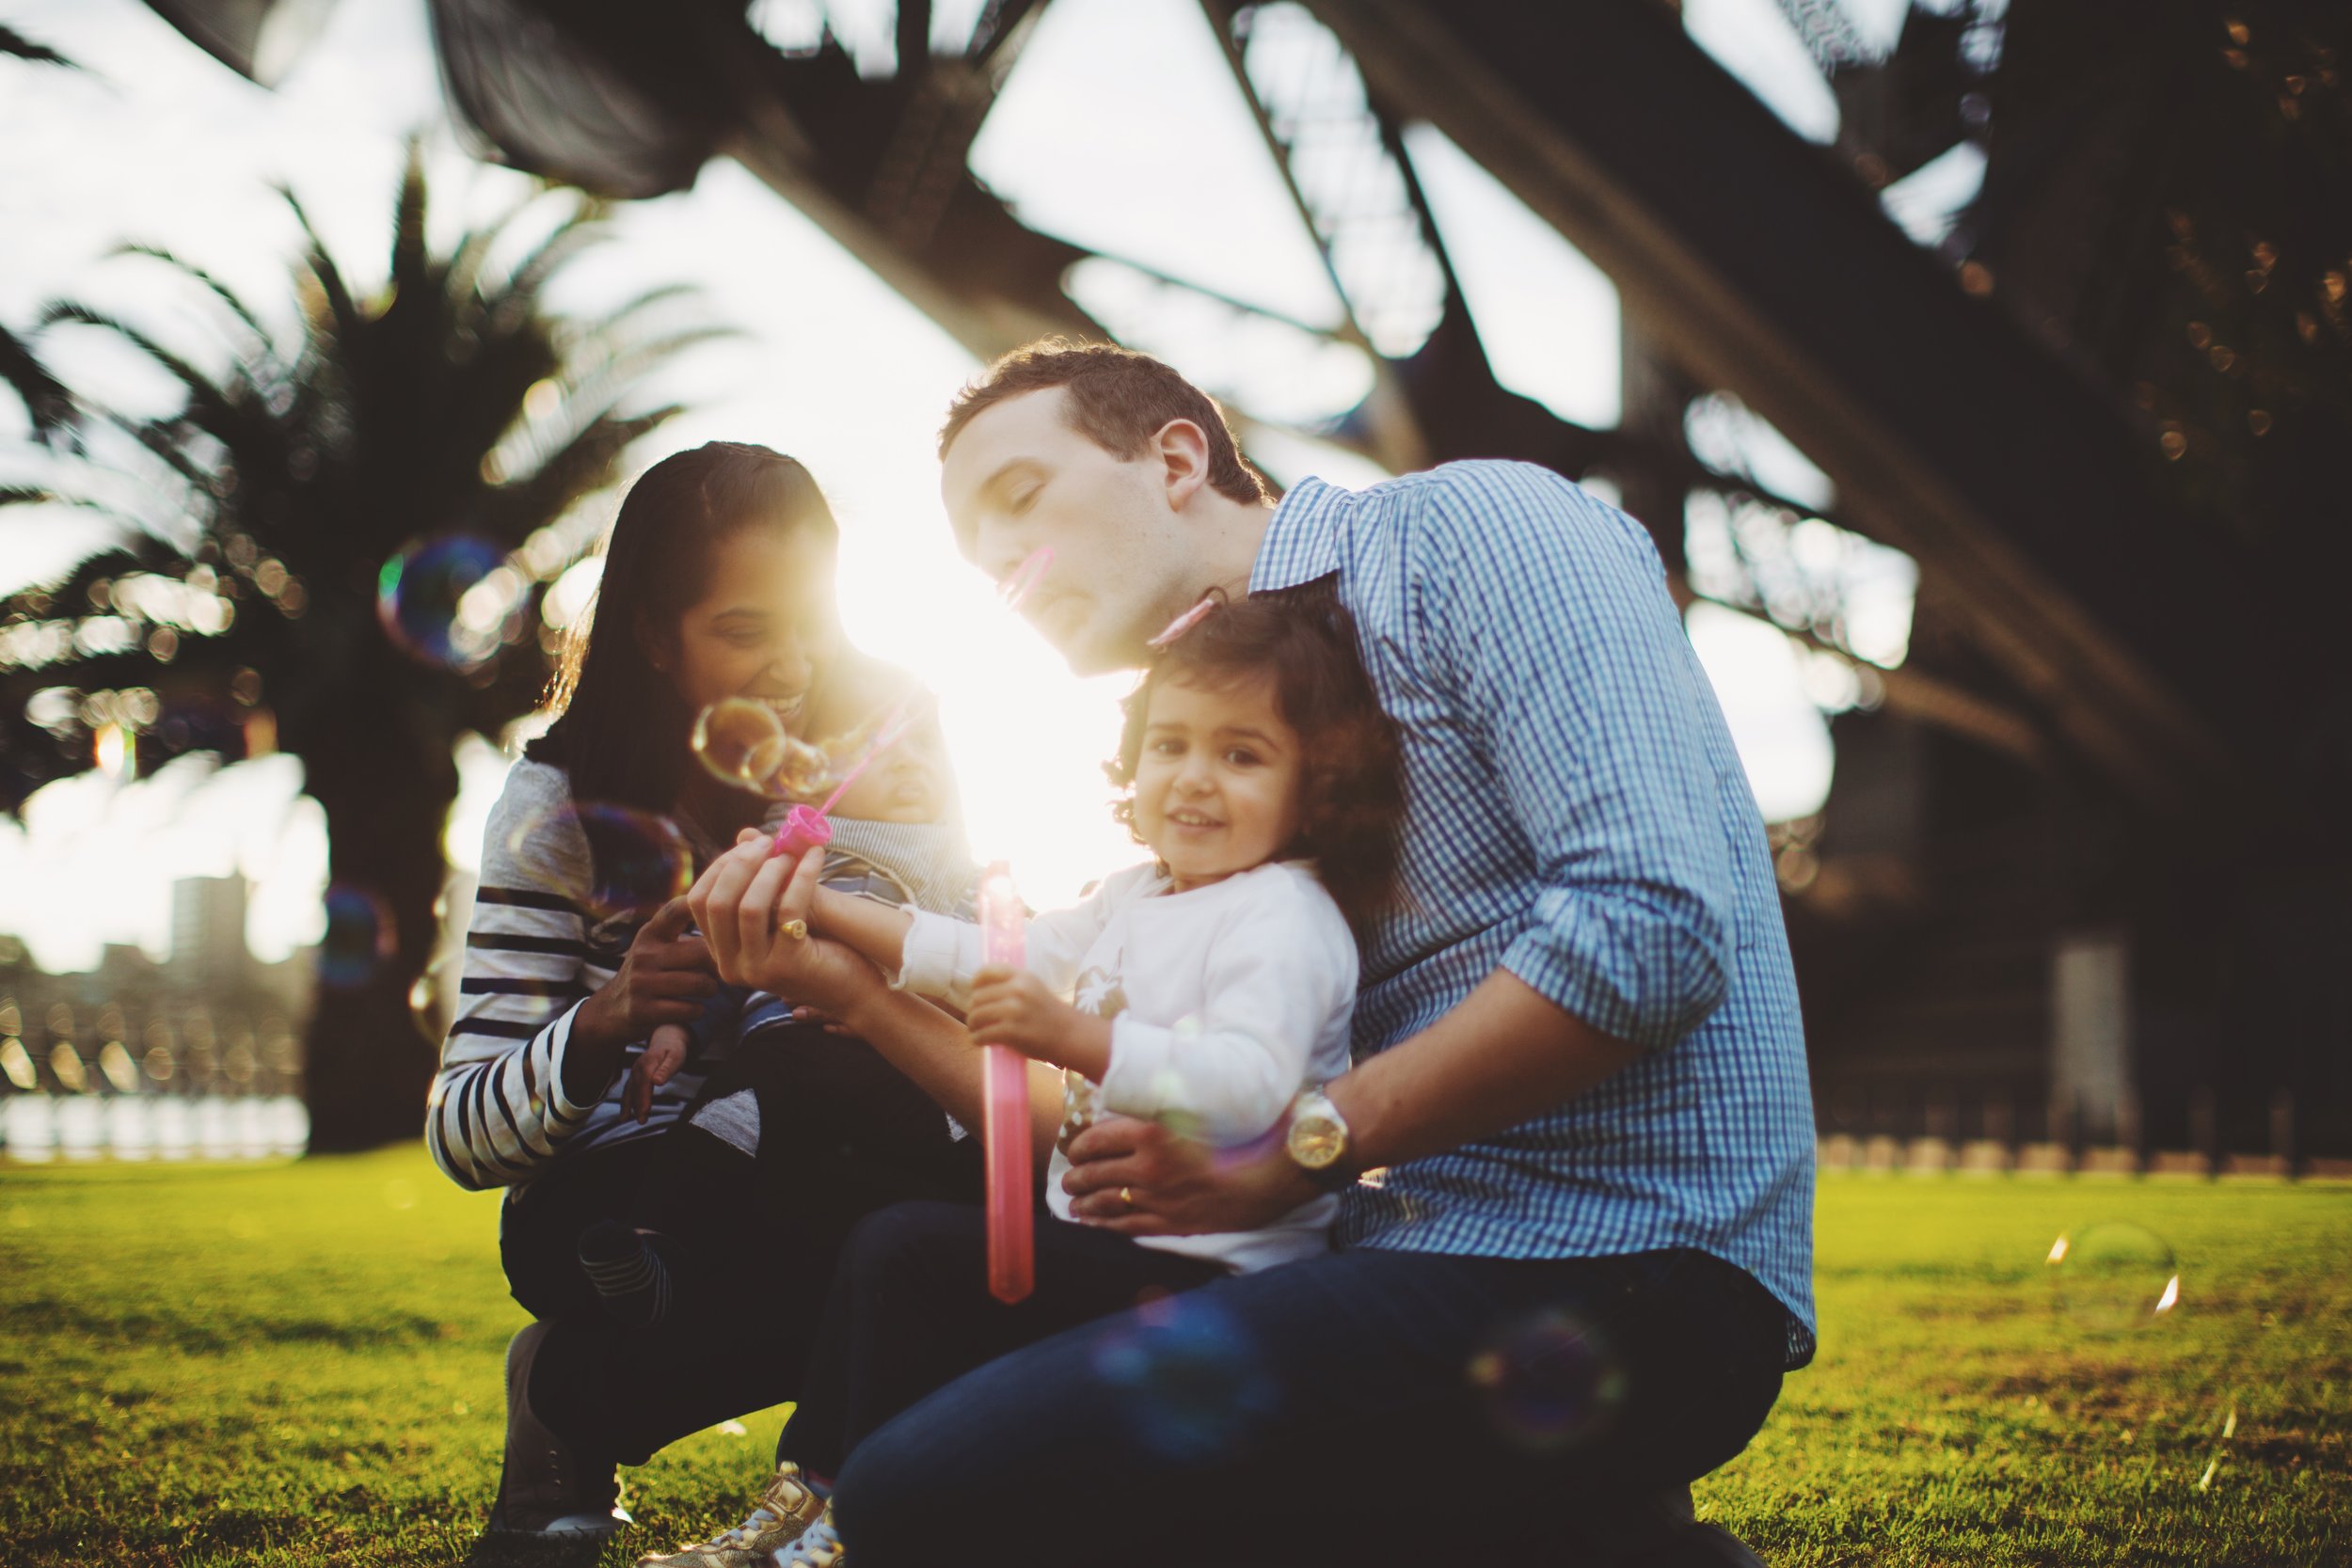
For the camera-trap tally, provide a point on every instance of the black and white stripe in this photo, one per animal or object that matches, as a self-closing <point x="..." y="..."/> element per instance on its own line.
<point x="498" y="1109"/>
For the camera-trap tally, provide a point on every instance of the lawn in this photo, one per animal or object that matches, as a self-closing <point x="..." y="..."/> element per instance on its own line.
<point x="299" y="1364"/>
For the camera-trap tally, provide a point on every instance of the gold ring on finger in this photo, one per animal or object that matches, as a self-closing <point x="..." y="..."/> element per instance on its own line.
<point x="1127" y="1196"/>
<point x="796" y="928"/>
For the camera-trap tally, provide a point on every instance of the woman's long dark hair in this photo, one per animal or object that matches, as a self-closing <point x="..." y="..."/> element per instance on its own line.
<point x="1354" y="779"/>
<point x="622" y="731"/>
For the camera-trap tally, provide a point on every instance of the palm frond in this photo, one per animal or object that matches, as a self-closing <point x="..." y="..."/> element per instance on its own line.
<point x="318" y="266"/>
<point x="584" y="228"/>
<point x="409" y="263"/>
<point x="220" y="290"/>
<point x="17" y="46"/>
<point x="47" y="403"/>
<point x="202" y="391"/>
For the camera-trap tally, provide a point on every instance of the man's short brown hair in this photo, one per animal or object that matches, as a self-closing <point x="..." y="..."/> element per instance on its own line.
<point x="1119" y="400"/>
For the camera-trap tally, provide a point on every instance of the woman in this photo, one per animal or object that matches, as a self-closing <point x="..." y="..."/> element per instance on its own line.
<point x="718" y="583"/>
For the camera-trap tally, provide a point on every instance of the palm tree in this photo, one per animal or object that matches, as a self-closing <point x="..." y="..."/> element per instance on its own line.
<point x="337" y="548"/>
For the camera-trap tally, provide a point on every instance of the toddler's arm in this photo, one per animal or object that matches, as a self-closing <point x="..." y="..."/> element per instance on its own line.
<point x="876" y="930"/>
<point x="937" y="956"/>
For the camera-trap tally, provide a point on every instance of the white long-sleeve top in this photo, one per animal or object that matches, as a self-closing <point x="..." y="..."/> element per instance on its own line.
<point x="1224" y="1001"/>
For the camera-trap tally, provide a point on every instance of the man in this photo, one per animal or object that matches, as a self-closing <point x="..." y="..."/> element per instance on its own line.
<point x="1576" y="1150"/>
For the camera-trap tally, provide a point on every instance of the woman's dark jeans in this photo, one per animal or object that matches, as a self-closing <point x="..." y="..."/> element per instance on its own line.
<point x="843" y="1133"/>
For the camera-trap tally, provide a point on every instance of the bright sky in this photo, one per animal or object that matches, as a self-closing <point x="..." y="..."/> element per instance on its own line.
<point x="154" y="140"/>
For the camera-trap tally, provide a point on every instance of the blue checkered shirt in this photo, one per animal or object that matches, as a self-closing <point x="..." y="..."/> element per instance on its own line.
<point x="1578" y="817"/>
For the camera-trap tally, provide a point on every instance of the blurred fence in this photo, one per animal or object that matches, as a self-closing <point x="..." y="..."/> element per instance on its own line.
<point x="36" y="1129"/>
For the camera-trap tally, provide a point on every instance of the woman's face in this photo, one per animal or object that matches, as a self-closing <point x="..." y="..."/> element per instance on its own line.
<point x="764" y="628"/>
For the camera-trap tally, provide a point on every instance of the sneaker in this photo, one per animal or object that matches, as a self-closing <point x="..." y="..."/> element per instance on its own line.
<point x="789" y="1507"/>
<point x="818" y="1547"/>
<point x="545" y="1490"/>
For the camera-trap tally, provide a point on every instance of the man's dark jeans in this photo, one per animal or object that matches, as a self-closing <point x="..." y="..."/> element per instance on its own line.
<point x="1363" y="1407"/>
<point x="910" y="1312"/>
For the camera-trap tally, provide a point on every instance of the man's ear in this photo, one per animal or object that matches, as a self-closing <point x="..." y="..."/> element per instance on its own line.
<point x="1181" y="448"/>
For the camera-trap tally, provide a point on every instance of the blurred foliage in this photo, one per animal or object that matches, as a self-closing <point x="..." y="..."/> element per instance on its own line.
<point x="246" y="605"/>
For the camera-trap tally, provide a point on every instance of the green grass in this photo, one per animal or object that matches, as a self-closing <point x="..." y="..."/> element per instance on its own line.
<point x="300" y="1364"/>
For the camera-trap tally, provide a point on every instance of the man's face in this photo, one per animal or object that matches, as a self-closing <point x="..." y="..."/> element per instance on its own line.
<point x="1019" y="477"/>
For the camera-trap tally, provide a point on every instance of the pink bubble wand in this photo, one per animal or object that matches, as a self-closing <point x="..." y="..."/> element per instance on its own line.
<point x="1005" y="1108"/>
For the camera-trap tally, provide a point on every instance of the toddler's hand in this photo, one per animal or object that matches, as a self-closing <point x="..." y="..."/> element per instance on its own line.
<point x="664" y="1053"/>
<point x="1012" y="1007"/>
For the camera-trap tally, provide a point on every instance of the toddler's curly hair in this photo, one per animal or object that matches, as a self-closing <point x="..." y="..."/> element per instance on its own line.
<point x="1353" y="772"/>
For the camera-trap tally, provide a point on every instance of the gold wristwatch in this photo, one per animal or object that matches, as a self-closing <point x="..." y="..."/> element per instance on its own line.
<point x="1316" y="1140"/>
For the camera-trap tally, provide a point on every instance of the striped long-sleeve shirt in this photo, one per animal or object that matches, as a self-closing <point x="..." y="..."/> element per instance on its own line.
<point x="499" y="1111"/>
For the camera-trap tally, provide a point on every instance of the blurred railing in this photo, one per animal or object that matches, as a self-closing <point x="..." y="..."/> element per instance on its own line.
<point x="38" y="1129"/>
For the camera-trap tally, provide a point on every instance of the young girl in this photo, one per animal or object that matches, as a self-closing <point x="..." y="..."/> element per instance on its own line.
<point x="1205" y="989"/>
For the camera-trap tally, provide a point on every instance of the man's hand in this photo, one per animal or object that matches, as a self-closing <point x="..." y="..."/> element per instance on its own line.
<point x="747" y="904"/>
<point x="1140" y="1179"/>
<point x="655" y="1066"/>
<point x="1013" y="1007"/>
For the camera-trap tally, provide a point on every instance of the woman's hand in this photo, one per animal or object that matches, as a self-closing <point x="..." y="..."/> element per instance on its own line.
<point x="1140" y="1179"/>
<point x="665" y="978"/>
<point x="1012" y="1007"/>
<point x="748" y="904"/>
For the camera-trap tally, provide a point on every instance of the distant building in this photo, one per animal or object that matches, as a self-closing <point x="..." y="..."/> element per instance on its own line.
<point x="208" y="933"/>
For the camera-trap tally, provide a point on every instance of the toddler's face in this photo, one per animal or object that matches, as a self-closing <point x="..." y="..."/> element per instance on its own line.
<point x="1218" y="782"/>
<point x="909" y="783"/>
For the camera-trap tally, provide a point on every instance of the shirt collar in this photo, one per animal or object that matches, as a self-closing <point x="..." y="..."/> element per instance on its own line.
<point x="1301" y="540"/>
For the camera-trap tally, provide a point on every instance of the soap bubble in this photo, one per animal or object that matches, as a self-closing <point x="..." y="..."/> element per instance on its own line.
<point x="802" y="769"/>
<point x="638" y="860"/>
<point x="360" y="936"/>
<point x="1190" y="1381"/>
<point x="1547" y="1381"/>
<point x="2113" y="1274"/>
<point x="449" y="601"/>
<point x="739" y="741"/>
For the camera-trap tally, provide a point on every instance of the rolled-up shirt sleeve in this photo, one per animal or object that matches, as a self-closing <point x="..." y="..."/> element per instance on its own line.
<point x="1549" y="623"/>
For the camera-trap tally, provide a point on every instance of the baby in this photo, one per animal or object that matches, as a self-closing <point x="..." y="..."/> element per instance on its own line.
<point x="895" y="844"/>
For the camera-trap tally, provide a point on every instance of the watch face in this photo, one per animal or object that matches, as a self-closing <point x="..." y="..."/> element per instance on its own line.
<point x="1315" y="1142"/>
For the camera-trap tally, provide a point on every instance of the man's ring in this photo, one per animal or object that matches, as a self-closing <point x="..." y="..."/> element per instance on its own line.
<point x="796" y="928"/>
<point x="1127" y="1196"/>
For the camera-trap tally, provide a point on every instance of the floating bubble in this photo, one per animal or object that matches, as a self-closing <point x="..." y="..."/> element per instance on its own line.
<point x="2113" y="1274"/>
<point x="738" y="741"/>
<point x="1547" y="1381"/>
<point x="1190" y="1381"/>
<point x="449" y="601"/>
<point x="360" y="936"/>
<point x="638" y="860"/>
<point x="803" y="770"/>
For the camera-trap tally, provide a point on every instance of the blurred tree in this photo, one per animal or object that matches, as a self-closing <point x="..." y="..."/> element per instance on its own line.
<point x="336" y="547"/>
